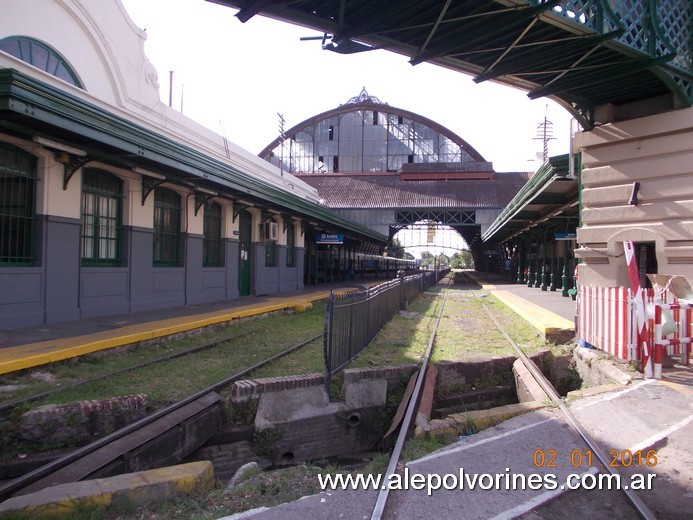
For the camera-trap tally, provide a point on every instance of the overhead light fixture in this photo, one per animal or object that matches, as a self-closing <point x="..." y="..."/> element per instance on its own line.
<point x="148" y="173"/>
<point x="205" y="190"/>
<point x="58" y="146"/>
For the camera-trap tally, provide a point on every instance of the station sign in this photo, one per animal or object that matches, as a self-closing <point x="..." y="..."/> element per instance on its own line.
<point x="329" y="238"/>
<point x="565" y="236"/>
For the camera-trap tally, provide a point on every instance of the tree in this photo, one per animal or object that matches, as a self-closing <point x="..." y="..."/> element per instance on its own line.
<point x="395" y="249"/>
<point x="462" y="260"/>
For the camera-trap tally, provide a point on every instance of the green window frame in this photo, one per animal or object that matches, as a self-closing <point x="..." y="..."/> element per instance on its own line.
<point x="167" y="211"/>
<point x="17" y="206"/>
<point x="291" y="246"/>
<point x="41" y="56"/>
<point x="102" y="208"/>
<point x="270" y="245"/>
<point x="211" y="241"/>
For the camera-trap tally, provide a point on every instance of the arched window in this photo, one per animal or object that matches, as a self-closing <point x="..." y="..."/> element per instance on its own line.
<point x="41" y="56"/>
<point x="211" y="242"/>
<point x="17" y="206"/>
<point x="166" y="227"/>
<point x="102" y="202"/>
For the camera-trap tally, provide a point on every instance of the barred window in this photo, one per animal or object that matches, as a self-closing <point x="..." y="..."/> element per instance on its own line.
<point x="102" y="202"/>
<point x="17" y="206"/>
<point x="270" y="244"/>
<point x="211" y="242"/>
<point x="291" y="246"/>
<point x="41" y="56"/>
<point x="167" y="209"/>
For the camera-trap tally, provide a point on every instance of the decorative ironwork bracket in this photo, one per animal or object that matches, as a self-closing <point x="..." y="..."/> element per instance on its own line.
<point x="71" y="163"/>
<point x="201" y="199"/>
<point x="237" y="208"/>
<point x="287" y="221"/>
<point x="148" y="185"/>
<point x="266" y="216"/>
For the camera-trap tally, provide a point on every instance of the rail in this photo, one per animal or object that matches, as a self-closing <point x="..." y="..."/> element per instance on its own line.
<point x="13" y="487"/>
<point x="546" y="385"/>
<point x="381" y="502"/>
<point x="353" y="319"/>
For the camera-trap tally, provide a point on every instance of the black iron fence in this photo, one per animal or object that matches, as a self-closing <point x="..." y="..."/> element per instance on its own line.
<point x="353" y="319"/>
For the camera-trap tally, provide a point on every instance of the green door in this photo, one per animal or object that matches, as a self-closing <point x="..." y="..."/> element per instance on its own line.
<point x="245" y="231"/>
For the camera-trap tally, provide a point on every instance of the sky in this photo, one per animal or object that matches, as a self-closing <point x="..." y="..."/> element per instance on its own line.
<point x="236" y="78"/>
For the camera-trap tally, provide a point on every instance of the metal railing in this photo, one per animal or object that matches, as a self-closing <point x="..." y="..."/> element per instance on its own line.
<point x="353" y="319"/>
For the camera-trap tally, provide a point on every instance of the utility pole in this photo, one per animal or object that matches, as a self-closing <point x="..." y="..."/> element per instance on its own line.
<point x="545" y="134"/>
<point x="170" y="88"/>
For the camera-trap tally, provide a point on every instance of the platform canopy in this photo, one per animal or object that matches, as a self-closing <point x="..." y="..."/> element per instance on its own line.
<point x="585" y="54"/>
<point x="549" y="199"/>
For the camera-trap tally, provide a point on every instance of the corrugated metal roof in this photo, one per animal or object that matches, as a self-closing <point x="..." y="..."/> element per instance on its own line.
<point x="581" y="53"/>
<point x="388" y="191"/>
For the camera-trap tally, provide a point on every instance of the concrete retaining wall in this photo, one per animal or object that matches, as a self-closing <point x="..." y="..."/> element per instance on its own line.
<point x="291" y="419"/>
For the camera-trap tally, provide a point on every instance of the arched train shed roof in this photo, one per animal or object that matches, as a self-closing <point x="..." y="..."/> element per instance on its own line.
<point x="370" y="104"/>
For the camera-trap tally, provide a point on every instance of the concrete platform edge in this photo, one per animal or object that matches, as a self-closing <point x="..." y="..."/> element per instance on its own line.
<point x="548" y="323"/>
<point x="131" y="489"/>
<point x="21" y="357"/>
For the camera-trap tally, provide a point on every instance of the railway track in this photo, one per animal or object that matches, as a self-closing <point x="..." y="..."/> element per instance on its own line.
<point x="381" y="503"/>
<point x="88" y="460"/>
<point x="101" y="456"/>
<point x="7" y="408"/>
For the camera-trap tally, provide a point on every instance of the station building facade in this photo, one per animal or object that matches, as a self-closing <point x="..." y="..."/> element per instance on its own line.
<point x="389" y="169"/>
<point x="113" y="202"/>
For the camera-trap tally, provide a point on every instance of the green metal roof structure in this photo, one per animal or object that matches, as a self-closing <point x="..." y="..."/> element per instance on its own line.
<point x="30" y="108"/>
<point x="582" y="53"/>
<point x="550" y="196"/>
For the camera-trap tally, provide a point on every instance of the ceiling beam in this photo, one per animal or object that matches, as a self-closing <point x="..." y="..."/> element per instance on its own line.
<point x="596" y="78"/>
<point x="433" y="30"/>
<point x="251" y="9"/>
<point x="505" y="23"/>
<point x="510" y="47"/>
<point x="548" y="56"/>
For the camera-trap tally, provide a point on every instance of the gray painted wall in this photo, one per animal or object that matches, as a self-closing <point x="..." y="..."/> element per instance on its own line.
<point x="59" y="289"/>
<point x="61" y="264"/>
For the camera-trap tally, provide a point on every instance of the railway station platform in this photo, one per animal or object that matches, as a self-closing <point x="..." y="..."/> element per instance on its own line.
<point x="552" y="314"/>
<point x="29" y="347"/>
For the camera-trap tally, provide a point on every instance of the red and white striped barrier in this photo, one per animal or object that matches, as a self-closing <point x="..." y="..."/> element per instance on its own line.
<point x="680" y="343"/>
<point x="607" y="320"/>
<point x="604" y="320"/>
<point x="638" y="296"/>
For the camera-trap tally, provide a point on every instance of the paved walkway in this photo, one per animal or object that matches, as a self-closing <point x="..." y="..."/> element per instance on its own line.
<point x="650" y="415"/>
<point x="548" y="300"/>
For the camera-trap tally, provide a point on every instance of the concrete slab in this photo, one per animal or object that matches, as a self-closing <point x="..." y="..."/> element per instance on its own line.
<point x="129" y="489"/>
<point x="528" y="389"/>
<point x="461" y="423"/>
<point x="594" y="390"/>
<point x="553" y="327"/>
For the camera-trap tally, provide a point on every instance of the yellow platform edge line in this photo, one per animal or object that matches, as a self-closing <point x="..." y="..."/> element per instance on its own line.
<point x="544" y="320"/>
<point x="20" y="357"/>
